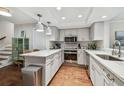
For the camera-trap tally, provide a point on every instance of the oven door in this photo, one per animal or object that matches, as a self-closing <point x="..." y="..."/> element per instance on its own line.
<point x="70" y="57"/>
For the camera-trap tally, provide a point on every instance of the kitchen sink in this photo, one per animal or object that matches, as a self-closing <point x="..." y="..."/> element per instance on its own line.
<point x="108" y="57"/>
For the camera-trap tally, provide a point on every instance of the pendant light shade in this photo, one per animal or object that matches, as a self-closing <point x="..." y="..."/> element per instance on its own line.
<point x="39" y="26"/>
<point x="48" y="31"/>
<point x="5" y="12"/>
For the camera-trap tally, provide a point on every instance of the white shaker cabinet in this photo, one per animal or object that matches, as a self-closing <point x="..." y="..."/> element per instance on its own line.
<point x="92" y="73"/>
<point x="99" y="79"/>
<point x="74" y="33"/>
<point x="48" y="72"/>
<point x="96" y="73"/>
<point x="110" y="79"/>
<point x="62" y="35"/>
<point x="67" y="33"/>
<point x="97" y="31"/>
<point x="83" y="34"/>
<point x="81" y="57"/>
<point x="70" y="32"/>
<point x="101" y="76"/>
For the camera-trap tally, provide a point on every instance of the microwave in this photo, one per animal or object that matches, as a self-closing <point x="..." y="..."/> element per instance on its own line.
<point x="70" y="39"/>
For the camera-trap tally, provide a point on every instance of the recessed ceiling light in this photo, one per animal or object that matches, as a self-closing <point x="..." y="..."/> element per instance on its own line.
<point x="63" y="18"/>
<point x="79" y="16"/>
<point x="58" y="8"/>
<point x="104" y="16"/>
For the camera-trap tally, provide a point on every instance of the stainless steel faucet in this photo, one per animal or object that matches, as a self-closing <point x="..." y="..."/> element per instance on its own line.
<point x="116" y="43"/>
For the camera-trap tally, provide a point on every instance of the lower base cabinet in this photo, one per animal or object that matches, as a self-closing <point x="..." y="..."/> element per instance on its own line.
<point x="99" y="80"/>
<point x="81" y="58"/>
<point x="49" y="73"/>
<point x="100" y="76"/>
<point x="95" y="74"/>
<point x="52" y="67"/>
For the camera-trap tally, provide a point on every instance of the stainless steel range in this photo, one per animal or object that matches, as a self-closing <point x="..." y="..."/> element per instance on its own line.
<point x="70" y="55"/>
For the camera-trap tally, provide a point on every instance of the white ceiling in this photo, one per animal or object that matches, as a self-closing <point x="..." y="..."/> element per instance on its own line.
<point x="22" y="15"/>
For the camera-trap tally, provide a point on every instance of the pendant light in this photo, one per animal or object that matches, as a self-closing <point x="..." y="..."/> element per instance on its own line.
<point x="5" y="12"/>
<point x="39" y="26"/>
<point x="48" y="31"/>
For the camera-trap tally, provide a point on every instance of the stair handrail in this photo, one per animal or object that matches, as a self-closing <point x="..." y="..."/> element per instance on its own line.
<point x="2" y="37"/>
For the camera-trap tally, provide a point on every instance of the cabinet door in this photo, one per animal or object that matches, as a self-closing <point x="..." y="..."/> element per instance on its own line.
<point x="91" y="33"/>
<point x="81" y="60"/>
<point x="48" y="73"/>
<point x="99" y="80"/>
<point x="60" y="59"/>
<point x="56" y="65"/>
<point x="98" y="31"/>
<point x="67" y="33"/>
<point x="117" y="82"/>
<point x="107" y="82"/>
<point x="96" y="73"/>
<point x="92" y="74"/>
<point x="83" y="35"/>
<point x="79" y="57"/>
<point x="62" y="35"/>
<point x="80" y="36"/>
<point x="53" y="65"/>
<point x="73" y="33"/>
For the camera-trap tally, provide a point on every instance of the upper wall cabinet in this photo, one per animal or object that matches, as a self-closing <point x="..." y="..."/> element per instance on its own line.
<point x="62" y="35"/>
<point x="97" y="31"/>
<point x="70" y="32"/>
<point x="67" y="32"/>
<point x="82" y="34"/>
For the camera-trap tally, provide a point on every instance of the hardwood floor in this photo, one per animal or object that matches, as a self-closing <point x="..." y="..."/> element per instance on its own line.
<point x="71" y="76"/>
<point x="66" y="76"/>
<point x="10" y="76"/>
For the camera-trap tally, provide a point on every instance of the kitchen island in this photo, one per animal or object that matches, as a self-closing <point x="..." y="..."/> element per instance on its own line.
<point x="49" y="60"/>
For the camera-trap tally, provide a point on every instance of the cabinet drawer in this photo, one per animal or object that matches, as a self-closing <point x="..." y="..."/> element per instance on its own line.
<point x="49" y="58"/>
<point x="112" y="78"/>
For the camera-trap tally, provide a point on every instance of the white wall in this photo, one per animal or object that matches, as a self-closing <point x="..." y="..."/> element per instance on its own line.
<point x="6" y="29"/>
<point x="54" y="37"/>
<point x="115" y="26"/>
<point x="37" y="40"/>
<point x="106" y="40"/>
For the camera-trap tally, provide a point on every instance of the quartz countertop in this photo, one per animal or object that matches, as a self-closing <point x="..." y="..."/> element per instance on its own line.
<point x="116" y="67"/>
<point x="41" y="53"/>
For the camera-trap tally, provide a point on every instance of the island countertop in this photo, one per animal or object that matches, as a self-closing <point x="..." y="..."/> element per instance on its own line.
<point x="41" y="53"/>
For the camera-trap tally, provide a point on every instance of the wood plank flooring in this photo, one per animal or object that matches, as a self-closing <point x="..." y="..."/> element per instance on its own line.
<point x="69" y="75"/>
<point x="10" y="76"/>
<point x="66" y="76"/>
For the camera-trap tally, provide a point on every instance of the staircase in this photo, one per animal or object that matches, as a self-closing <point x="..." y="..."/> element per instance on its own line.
<point x="5" y="56"/>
